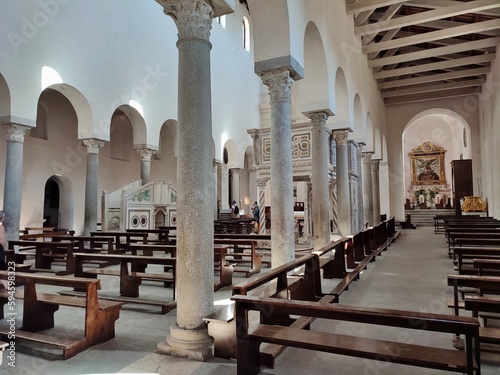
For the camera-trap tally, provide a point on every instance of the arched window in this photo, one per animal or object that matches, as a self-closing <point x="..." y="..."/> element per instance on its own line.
<point x="245" y="30"/>
<point x="221" y="21"/>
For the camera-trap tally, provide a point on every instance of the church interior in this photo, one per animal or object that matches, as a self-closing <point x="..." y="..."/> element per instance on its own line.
<point x="357" y="139"/>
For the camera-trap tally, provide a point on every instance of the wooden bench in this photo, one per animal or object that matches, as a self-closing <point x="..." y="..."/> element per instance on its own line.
<point x="461" y="254"/>
<point x="250" y="336"/>
<point x="39" y="308"/>
<point x="280" y="282"/>
<point x="130" y="280"/>
<point x="162" y="234"/>
<point x="476" y="285"/>
<point x="46" y="253"/>
<point x="481" y="305"/>
<point x="238" y="255"/>
<point x="123" y="239"/>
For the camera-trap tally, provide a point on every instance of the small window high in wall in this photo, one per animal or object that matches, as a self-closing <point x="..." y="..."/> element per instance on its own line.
<point x="245" y="31"/>
<point x="221" y="20"/>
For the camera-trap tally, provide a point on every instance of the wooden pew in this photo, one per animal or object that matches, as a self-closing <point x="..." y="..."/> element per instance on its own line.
<point x="128" y="237"/>
<point x="480" y="305"/>
<point x="462" y="253"/>
<point x="222" y="266"/>
<point x="280" y="282"/>
<point x="39" y="308"/>
<point x="238" y="254"/>
<point x="162" y="234"/>
<point x="130" y="279"/>
<point x="480" y="286"/>
<point x="250" y="337"/>
<point x="45" y="254"/>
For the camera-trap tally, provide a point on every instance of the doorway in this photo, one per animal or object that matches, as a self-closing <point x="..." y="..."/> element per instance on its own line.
<point x="51" y="204"/>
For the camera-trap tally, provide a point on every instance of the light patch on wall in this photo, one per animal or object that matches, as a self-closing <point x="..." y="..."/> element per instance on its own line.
<point x="50" y="77"/>
<point x="136" y="105"/>
<point x="223" y="140"/>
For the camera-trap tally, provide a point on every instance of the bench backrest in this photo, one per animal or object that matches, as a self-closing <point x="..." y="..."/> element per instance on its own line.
<point x="368" y="315"/>
<point x="52" y="280"/>
<point x="309" y="287"/>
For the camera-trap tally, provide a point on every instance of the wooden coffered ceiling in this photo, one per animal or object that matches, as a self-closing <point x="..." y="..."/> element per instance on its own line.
<point x="427" y="49"/>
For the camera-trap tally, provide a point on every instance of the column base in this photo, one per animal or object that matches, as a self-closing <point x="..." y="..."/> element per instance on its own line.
<point x="193" y="344"/>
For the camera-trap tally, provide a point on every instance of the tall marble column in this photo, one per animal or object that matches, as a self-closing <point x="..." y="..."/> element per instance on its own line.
<point x="91" y="178"/>
<point x="376" y="190"/>
<point x="361" y="213"/>
<point x="225" y="204"/>
<point x="261" y="189"/>
<point x="188" y="336"/>
<point x="366" y="166"/>
<point x="145" y="154"/>
<point x="343" y="192"/>
<point x="235" y="186"/>
<point x="216" y="186"/>
<point x="280" y="84"/>
<point x="13" y="180"/>
<point x="320" y="179"/>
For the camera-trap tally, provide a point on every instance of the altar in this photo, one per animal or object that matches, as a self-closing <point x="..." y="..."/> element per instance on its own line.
<point x="428" y="187"/>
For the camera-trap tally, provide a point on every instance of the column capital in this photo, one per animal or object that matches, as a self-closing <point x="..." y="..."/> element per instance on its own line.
<point x="235" y="171"/>
<point x="16" y="132"/>
<point x="375" y="164"/>
<point x="93" y="145"/>
<point x="317" y="118"/>
<point x="340" y="137"/>
<point x="145" y="153"/>
<point x="262" y="182"/>
<point x="193" y="18"/>
<point x="366" y="157"/>
<point x="279" y="83"/>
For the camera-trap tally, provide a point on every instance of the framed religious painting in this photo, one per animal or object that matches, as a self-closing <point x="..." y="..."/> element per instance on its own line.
<point x="427" y="165"/>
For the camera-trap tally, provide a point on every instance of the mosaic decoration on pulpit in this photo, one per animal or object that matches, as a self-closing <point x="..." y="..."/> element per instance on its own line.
<point x="301" y="147"/>
<point x="427" y="165"/>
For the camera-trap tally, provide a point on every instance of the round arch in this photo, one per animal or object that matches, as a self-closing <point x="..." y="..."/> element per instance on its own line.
<point x="4" y="98"/>
<point x="341" y="99"/>
<point x="83" y="112"/>
<point x="139" y="128"/>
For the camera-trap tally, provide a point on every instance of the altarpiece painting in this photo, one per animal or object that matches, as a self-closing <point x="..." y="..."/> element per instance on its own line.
<point x="427" y="165"/>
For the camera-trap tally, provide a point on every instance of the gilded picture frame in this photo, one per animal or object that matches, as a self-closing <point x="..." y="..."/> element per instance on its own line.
<point x="427" y="165"/>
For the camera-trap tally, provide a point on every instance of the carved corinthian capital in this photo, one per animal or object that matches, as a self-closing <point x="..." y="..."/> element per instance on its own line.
<point x="341" y="137"/>
<point x="146" y="153"/>
<point x="192" y="17"/>
<point x="16" y="133"/>
<point x="93" y="145"/>
<point x="318" y="118"/>
<point x="280" y="85"/>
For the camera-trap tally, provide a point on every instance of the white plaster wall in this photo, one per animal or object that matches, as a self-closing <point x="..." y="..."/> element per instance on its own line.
<point x="398" y="116"/>
<point x="489" y="102"/>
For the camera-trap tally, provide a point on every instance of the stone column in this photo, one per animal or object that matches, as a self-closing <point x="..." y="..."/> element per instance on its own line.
<point x="366" y="158"/>
<point x="188" y="336"/>
<point x="343" y="193"/>
<point x="261" y="187"/>
<point x="145" y="154"/>
<point x="235" y="186"/>
<point x="280" y="84"/>
<point x="13" y="181"/>
<point x="376" y="190"/>
<point x="361" y="221"/>
<point x="320" y="179"/>
<point x="91" y="194"/>
<point x="216" y="174"/>
<point x="225" y="187"/>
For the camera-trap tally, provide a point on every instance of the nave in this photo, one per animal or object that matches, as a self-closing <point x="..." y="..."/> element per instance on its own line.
<point x="410" y="275"/>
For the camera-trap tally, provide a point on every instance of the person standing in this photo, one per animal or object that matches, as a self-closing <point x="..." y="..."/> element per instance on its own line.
<point x="235" y="209"/>
<point x="256" y="216"/>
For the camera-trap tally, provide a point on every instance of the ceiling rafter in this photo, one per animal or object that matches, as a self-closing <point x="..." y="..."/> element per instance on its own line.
<point x="427" y="49"/>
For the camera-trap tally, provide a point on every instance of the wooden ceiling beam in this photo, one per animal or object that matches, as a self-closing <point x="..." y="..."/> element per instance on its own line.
<point x="435" y="4"/>
<point x="433" y="88"/>
<point x="355" y="7"/>
<point x="433" y="36"/>
<point x="437" y="95"/>
<point x="436" y="14"/>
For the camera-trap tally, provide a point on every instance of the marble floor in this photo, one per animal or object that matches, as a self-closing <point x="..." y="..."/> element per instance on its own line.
<point x="410" y="275"/>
